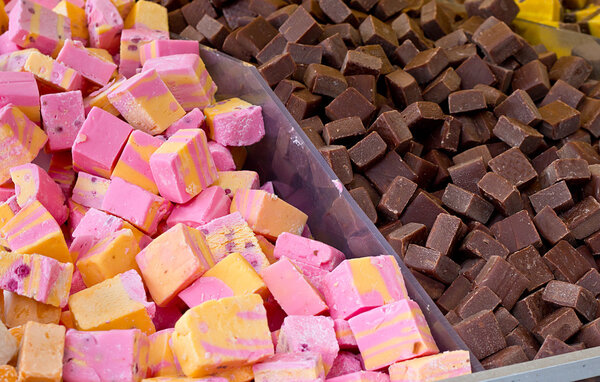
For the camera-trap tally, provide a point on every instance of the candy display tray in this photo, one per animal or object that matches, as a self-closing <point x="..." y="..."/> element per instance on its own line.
<point x="301" y="176"/>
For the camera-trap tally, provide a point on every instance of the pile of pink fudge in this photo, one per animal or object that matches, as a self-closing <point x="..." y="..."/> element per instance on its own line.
<point x="135" y="246"/>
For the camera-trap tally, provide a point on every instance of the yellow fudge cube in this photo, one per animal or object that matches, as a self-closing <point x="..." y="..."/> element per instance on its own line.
<point x="18" y="310"/>
<point x="110" y="256"/>
<point x="123" y="6"/>
<point x="231" y="181"/>
<point x="149" y="15"/>
<point x="161" y="360"/>
<point x="173" y="261"/>
<point x="79" y="30"/>
<point x="222" y="334"/>
<point x="117" y="303"/>
<point x="41" y="354"/>
<point x="8" y="373"/>
<point x="539" y="10"/>
<point x="239" y="374"/>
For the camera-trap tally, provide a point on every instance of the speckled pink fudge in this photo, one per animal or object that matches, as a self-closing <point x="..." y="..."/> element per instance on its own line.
<point x="345" y="363"/>
<point x="62" y="117"/>
<point x="162" y="48"/>
<point x="307" y="251"/>
<point x="91" y="67"/>
<point x="222" y="156"/>
<point x="194" y="119"/>
<point x="210" y="204"/>
<point x="104" y="24"/>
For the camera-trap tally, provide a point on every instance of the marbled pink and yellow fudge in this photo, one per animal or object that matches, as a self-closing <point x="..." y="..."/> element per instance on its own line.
<point x="267" y="214"/>
<point x="146" y="103"/>
<point x="294" y="293"/>
<point x="117" y="303"/>
<point x="162" y="48"/>
<point x="432" y="368"/>
<point x="232" y="181"/>
<point x="186" y="77"/>
<point x="21" y="90"/>
<point x="33" y="183"/>
<point x="62" y="116"/>
<point x="194" y="119"/>
<point x="34" y="230"/>
<point x="8" y="210"/>
<point x="234" y="122"/>
<point x="307" y="251"/>
<point x="182" y="166"/>
<point x="77" y="18"/>
<point x="131" y="41"/>
<point x="111" y="355"/>
<point x="52" y="73"/>
<point x="61" y="171"/>
<point x="290" y="367"/>
<point x="173" y="261"/>
<point x="112" y="255"/>
<point x="208" y="205"/>
<point x="35" y="276"/>
<point x="392" y="333"/>
<point x="358" y="285"/>
<point x="309" y="334"/>
<point x="18" y="310"/>
<point x="232" y="276"/>
<point x="20" y="140"/>
<point x="104" y="24"/>
<point x="32" y="25"/>
<point x="76" y="214"/>
<point x="222" y="156"/>
<point x="89" y="190"/>
<point x="99" y="143"/>
<point x="344" y="334"/>
<point x="99" y="98"/>
<point x="90" y="66"/>
<point x="345" y="363"/>
<point x="362" y="376"/>
<point x="161" y="360"/>
<point x="15" y="61"/>
<point x="141" y="208"/>
<point x="222" y="334"/>
<point x="134" y="163"/>
<point x="148" y="15"/>
<point x="231" y="233"/>
<point x="6" y="45"/>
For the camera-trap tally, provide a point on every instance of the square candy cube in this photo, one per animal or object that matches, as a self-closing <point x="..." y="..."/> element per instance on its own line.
<point x="235" y="122"/>
<point x="162" y="48"/>
<point x="311" y="252"/>
<point x="62" y="116"/>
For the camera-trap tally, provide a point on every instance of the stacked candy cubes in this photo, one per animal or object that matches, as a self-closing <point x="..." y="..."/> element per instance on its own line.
<point x="143" y="252"/>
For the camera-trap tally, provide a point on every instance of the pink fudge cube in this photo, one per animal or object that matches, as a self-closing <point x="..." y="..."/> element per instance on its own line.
<point x="194" y="119"/>
<point x="392" y="333"/>
<point x="91" y="67"/>
<point x="344" y="334"/>
<point x="76" y="214"/>
<point x="234" y="122"/>
<point x="357" y="285"/>
<point x="99" y="143"/>
<point x="61" y="171"/>
<point x="307" y="251"/>
<point x="77" y="284"/>
<point x="33" y="183"/>
<point x="104" y="24"/>
<point x="309" y="334"/>
<point x="314" y="275"/>
<point x="268" y="186"/>
<point x="6" y="44"/>
<point x="63" y="116"/>
<point x="89" y="190"/>
<point x="21" y="90"/>
<point x="111" y="355"/>
<point x="290" y="367"/>
<point x="97" y="224"/>
<point x="210" y="204"/>
<point x="141" y="208"/>
<point x="162" y="48"/>
<point x="345" y="363"/>
<point x="183" y="166"/>
<point x="292" y="290"/>
<point x="26" y="30"/>
<point x="222" y="156"/>
<point x="362" y="376"/>
<point x="131" y="41"/>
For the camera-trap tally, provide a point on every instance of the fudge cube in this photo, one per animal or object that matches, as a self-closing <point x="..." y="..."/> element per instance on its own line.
<point x="194" y="119"/>
<point x="162" y="48"/>
<point x="232" y="276"/>
<point x="234" y="122"/>
<point x="267" y="214"/>
<point x="147" y="15"/>
<point x="222" y="334"/>
<point x="173" y="261"/>
<point x="187" y="78"/>
<point x="89" y="190"/>
<point x="17" y="149"/>
<point x="63" y="116"/>
<point x="76" y="15"/>
<point x="133" y="165"/>
<point x="290" y="367"/>
<point x="104" y="24"/>
<point x="439" y="366"/>
<point x="41" y="353"/>
<point x="94" y="308"/>
<point x="161" y="360"/>
<point x="52" y="73"/>
<point x="8" y="345"/>
<point x="392" y="333"/>
<point x="99" y="98"/>
<point x="294" y="293"/>
<point x="146" y="103"/>
<point x="33" y="183"/>
<point x="208" y="205"/>
<point x="105" y="355"/>
<point x="222" y="156"/>
<point x="141" y="208"/>
<point x="232" y="181"/>
<point x="307" y="251"/>
<point x="131" y="41"/>
<point x="183" y="166"/>
<point x="99" y="143"/>
<point x="91" y="67"/>
<point x="20" y="309"/>
<point x="21" y="90"/>
<point x="358" y="285"/>
<point x="34" y="230"/>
